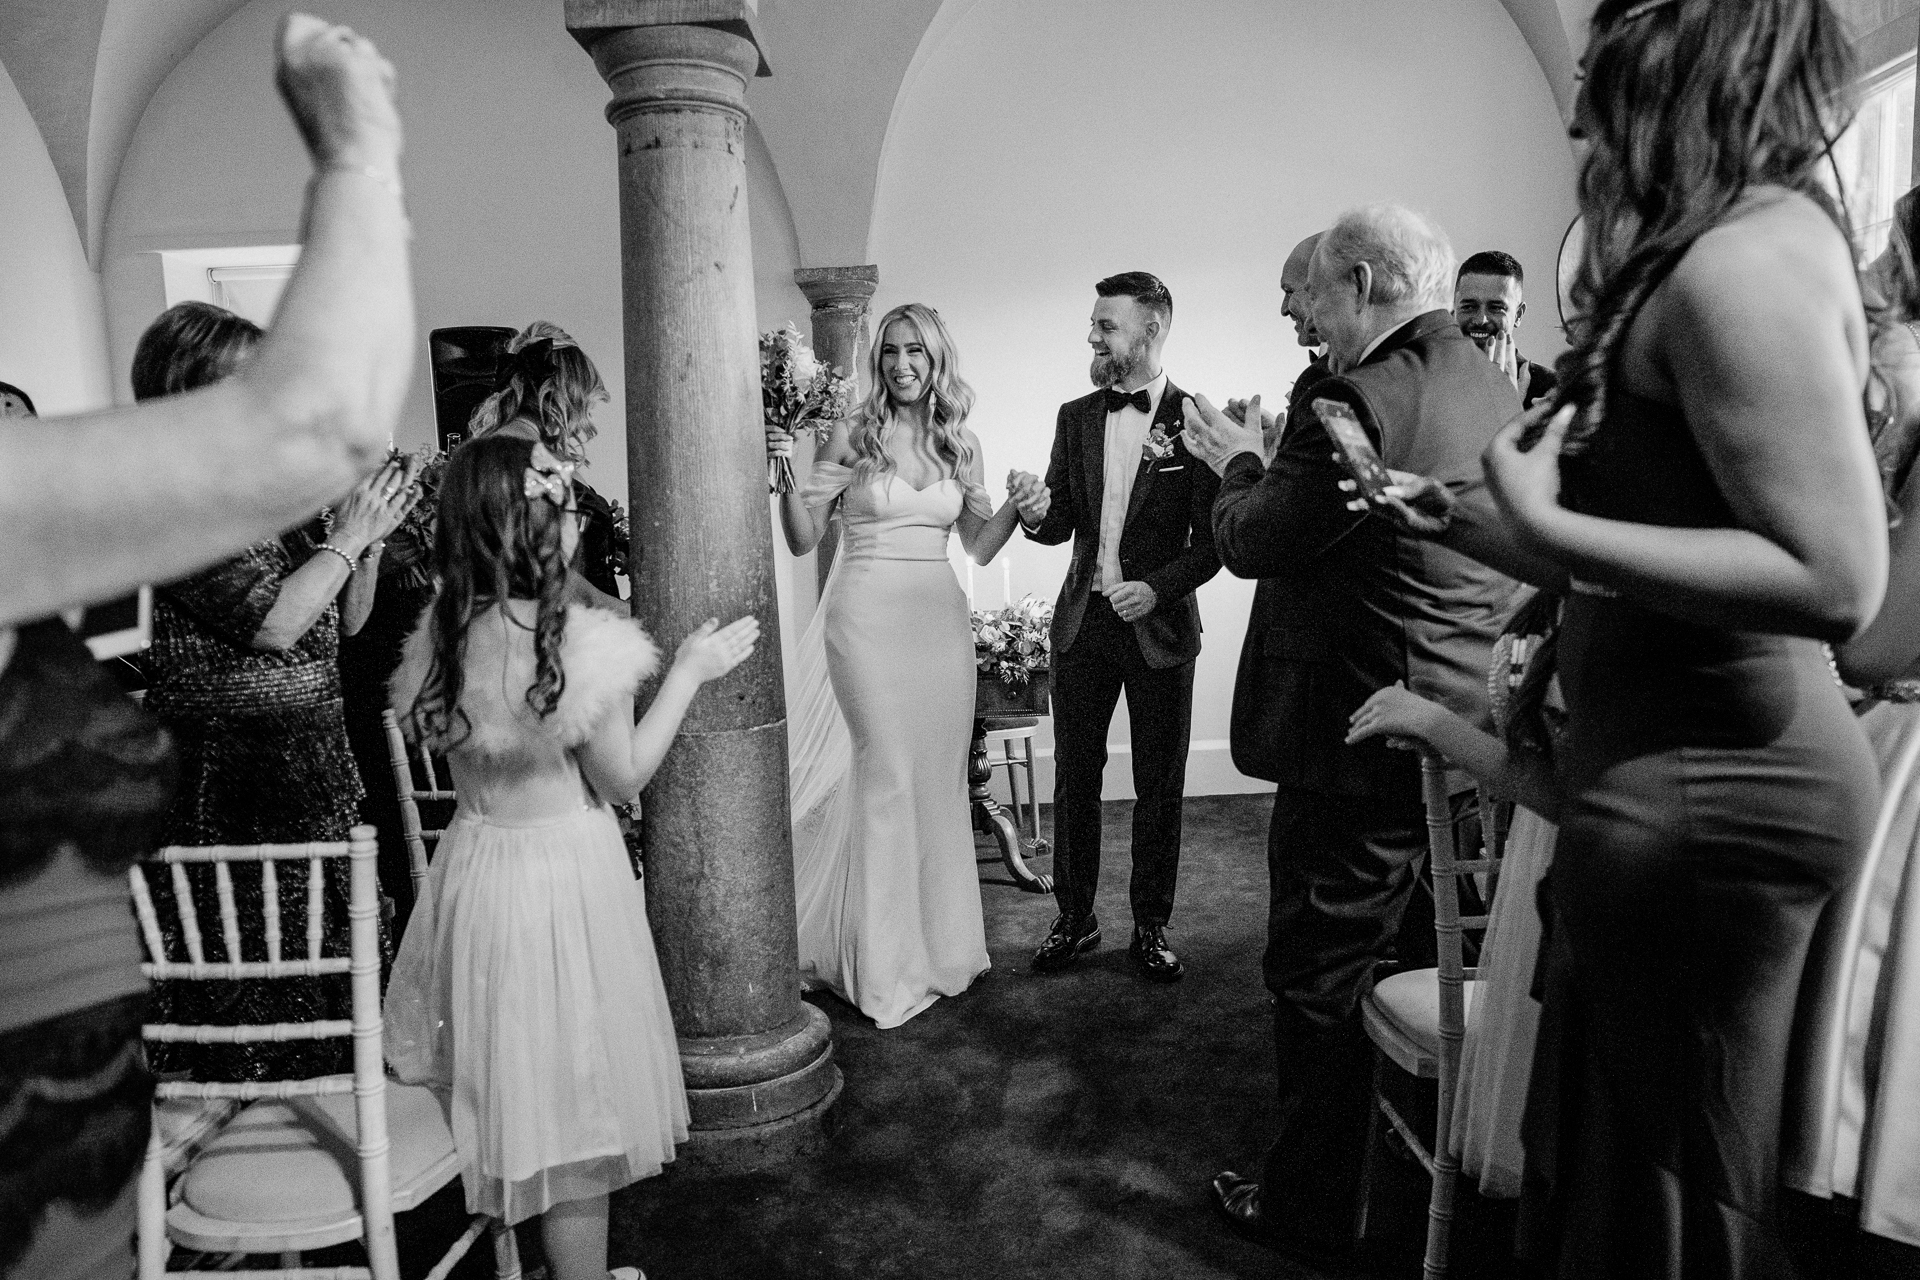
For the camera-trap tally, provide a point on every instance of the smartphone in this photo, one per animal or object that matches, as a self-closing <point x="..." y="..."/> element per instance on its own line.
<point x="1356" y="451"/>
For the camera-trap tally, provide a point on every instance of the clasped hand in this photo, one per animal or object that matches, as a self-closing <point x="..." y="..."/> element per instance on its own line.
<point x="1030" y="495"/>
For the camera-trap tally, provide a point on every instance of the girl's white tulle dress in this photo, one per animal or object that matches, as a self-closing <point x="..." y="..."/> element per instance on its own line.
<point x="526" y="987"/>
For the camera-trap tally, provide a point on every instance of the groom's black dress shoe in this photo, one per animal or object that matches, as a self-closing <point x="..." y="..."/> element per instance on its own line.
<point x="1152" y="954"/>
<point x="1239" y="1201"/>
<point x="1065" y="941"/>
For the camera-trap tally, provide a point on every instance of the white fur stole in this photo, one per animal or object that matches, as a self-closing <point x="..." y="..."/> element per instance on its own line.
<point x="603" y="655"/>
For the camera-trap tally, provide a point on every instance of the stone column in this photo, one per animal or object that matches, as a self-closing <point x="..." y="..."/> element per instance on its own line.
<point x="839" y="296"/>
<point x="758" y="1061"/>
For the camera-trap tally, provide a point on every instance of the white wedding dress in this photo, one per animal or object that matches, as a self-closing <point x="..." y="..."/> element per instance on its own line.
<point x="880" y="701"/>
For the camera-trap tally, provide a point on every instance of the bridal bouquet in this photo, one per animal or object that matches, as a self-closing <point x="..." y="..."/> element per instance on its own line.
<point x="798" y="393"/>
<point x="1011" y="644"/>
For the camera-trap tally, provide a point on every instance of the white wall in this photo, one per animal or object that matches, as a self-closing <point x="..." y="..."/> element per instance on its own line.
<point x="510" y="170"/>
<point x="52" y="336"/>
<point x="1022" y="166"/>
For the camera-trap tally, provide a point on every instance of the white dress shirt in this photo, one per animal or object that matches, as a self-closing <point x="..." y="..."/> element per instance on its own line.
<point x="1126" y="438"/>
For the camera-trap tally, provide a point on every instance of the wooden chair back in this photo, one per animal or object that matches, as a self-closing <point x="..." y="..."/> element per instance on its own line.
<point x="409" y="787"/>
<point x="368" y="1081"/>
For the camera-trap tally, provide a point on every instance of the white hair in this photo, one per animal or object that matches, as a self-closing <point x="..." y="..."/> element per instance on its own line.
<point x="1411" y="257"/>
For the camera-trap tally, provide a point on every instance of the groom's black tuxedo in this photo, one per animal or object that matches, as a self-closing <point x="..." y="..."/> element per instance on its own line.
<point x="1166" y="542"/>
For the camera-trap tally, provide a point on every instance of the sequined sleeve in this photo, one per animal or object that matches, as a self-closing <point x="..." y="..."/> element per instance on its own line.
<point x="234" y="597"/>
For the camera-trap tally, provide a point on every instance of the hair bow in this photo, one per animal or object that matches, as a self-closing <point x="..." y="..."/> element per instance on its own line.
<point x="554" y="486"/>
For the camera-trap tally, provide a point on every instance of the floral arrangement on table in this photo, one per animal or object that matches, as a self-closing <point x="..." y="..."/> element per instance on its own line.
<point x="1011" y="644"/>
<point x="798" y="393"/>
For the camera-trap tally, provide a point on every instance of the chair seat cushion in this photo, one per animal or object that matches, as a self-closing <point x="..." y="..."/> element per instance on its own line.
<point x="1402" y="1014"/>
<point x="294" y="1161"/>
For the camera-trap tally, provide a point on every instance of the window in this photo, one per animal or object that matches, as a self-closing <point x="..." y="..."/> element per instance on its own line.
<point x="1875" y="155"/>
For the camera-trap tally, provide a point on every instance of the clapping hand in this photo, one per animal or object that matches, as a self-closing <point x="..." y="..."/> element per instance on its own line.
<point x="713" y="650"/>
<point x="1396" y="713"/>
<point x="1215" y="438"/>
<point x="1271" y="424"/>
<point x="1030" y="495"/>
<point x="341" y="93"/>
<point x="1523" y="464"/>
<point x="378" y="504"/>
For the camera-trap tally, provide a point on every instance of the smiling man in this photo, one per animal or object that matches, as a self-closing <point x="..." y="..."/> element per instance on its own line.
<point x="1138" y="508"/>
<point x="1489" y="301"/>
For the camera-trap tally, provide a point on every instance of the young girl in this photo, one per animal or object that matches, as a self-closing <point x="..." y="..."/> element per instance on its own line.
<point x="527" y="984"/>
<point x="1496" y="1059"/>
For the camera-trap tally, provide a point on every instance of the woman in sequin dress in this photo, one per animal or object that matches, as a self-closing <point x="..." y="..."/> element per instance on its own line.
<point x="243" y="673"/>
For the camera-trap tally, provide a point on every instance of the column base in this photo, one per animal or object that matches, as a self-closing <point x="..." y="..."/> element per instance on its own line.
<point x="725" y="1153"/>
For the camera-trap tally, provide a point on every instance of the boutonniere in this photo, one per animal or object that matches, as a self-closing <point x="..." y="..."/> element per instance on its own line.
<point x="1158" y="446"/>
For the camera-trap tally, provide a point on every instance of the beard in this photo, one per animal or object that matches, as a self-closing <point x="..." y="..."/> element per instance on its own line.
<point x="1116" y="367"/>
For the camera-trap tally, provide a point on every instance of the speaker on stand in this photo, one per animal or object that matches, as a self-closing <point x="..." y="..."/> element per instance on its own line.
<point x="466" y="360"/>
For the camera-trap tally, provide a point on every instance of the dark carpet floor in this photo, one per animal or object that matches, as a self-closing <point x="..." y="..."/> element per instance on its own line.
<point x="1038" y="1126"/>
<point x="1058" y="1127"/>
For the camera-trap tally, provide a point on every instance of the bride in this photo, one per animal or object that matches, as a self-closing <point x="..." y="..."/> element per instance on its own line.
<point x="881" y="689"/>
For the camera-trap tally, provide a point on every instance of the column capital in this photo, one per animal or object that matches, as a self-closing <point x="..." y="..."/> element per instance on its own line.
<point x="837" y="287"/>
<point x="590" y="21"/>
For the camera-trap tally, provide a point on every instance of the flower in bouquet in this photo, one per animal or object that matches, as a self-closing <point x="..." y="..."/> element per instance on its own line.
<point x="798" y="393"/>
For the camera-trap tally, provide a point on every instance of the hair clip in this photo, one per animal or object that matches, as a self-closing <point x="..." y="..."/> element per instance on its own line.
<point x="532" y="363"/>
<point x="554" y="486"/>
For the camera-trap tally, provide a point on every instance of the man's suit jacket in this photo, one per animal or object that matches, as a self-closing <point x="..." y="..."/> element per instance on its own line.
<point x="1538" y="380"/>
<point x="1354" y="604"/>
<point x="1166" y="542"/>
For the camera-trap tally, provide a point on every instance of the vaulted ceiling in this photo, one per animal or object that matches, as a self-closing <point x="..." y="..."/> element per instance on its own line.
<point x="88" y="68"/>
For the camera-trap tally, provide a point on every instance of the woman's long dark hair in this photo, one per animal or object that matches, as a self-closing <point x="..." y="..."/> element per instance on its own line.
<point x="492" y="544"/>
<point x="1688" y="105"/>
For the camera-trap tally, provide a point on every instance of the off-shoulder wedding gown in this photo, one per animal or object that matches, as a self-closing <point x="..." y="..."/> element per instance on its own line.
<point x="881" y="706"/>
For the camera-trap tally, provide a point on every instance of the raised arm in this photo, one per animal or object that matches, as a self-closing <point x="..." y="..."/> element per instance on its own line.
<point x="1760" y="333"/>
<point x="152" y="493"/>
<point x="983" y="536"/>
<point x="621" y="756"/>
<point x="804" y="515"/>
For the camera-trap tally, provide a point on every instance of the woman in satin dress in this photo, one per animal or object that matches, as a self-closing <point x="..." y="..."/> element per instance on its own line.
<point x="1718" y="513"/>
<point x="883" y="688"/>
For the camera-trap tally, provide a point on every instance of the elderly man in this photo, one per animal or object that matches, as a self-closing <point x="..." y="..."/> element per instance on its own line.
<point x="1367" y="606"/>
<point x="1489" y="302"/>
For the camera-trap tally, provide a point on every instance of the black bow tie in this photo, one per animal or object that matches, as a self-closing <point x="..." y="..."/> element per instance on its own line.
<point x="1118" y="400"/>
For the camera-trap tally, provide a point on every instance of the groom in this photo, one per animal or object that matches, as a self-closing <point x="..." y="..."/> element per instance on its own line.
<point x="1139" y="508"/>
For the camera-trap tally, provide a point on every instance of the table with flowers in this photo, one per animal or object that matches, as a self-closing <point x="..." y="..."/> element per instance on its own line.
<point x="1012" y="654"/>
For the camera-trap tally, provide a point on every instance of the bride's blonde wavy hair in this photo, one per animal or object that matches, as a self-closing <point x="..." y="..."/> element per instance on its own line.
<point x="951" y="397"/>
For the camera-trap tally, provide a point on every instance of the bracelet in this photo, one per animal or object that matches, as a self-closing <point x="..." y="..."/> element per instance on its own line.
<point x="328" y="546"/>
<point x="389" y="182"/>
